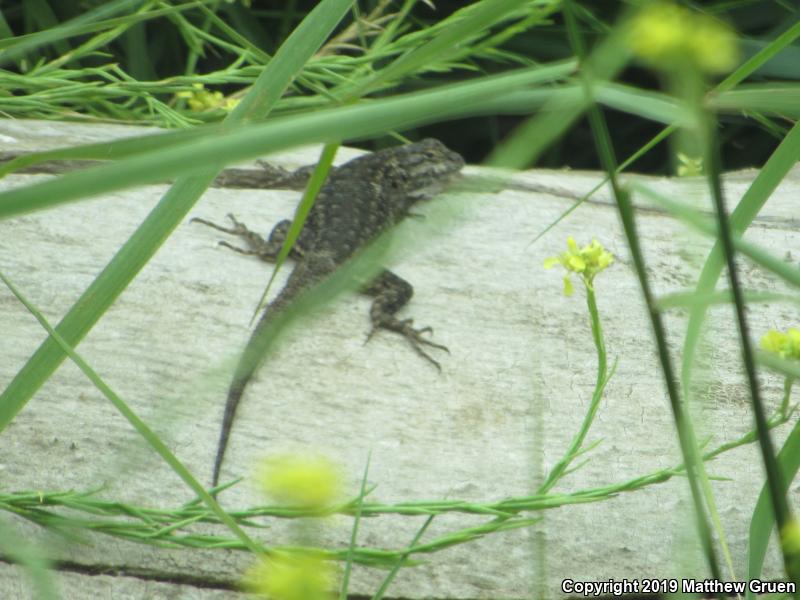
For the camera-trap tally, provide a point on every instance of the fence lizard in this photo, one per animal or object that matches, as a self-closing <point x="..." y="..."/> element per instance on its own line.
<point x="360" y="200"/>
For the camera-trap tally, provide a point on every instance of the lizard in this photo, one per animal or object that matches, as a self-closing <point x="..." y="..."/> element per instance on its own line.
<point x="360" y="200"/>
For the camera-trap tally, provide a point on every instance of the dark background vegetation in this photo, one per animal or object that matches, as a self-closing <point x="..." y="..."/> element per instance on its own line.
<point x="155" y="50"/>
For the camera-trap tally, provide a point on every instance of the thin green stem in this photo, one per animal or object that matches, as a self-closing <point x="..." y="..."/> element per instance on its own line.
<point x="602" y="379"/>
<point x="774" y="477"/>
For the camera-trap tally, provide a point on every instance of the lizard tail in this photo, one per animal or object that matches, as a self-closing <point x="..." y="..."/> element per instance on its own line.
<point x="254" y="352"/>
<point x="248" y="363"/>
<point x="234" y="396"/>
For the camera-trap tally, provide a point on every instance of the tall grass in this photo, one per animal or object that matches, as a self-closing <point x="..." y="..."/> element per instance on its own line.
<point x="343" y="73"/>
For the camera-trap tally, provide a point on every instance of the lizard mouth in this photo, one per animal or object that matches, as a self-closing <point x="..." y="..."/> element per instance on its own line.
<point x="434" y="188"/>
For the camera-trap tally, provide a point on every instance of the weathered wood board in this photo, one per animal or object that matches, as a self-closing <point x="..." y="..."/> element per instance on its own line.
<point x="509" y="399"/>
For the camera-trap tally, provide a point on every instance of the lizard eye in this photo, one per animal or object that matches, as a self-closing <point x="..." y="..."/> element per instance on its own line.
<point x="398" y="180"/>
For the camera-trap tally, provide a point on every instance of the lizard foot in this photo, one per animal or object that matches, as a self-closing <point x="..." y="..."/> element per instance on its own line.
<point x="414" y="336"/>
<point x="258" y="246"/>
<point x="237" y="229"/>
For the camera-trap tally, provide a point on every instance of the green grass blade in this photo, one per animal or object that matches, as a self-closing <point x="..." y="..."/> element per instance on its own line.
<point x="477" y="17"/>
<point x="315" y="184"/>
<point x="290" y="59"/>
<point x="782" y="100"/>
<point x="768" y="178"/>
<point x="402" y="560"/>
<point x="688" y="299"/>
<point x="654" y="141"/>
<point x="644" y="103"/>
<point x="116" y="150"/>
<point x="8" y="40"/>
<point x="706" y="226"/>
<point x="362" y="493"/>
<point x="761" y="58"/>
<point x="16" y="48"/>
<point x="524" y="146"/>
<point x="762" y="522"/>
<point x="713" y="160"/>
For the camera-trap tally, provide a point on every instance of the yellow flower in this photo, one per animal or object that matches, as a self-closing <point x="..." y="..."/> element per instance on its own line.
<point x="292" y="576"/>
<point x="568" y="287"/>
<point x="201" y="99"/>
<point x="774" y="342"/>
<point x="785" y="345"/>
<point x="714" y="46"/>
<point x="689" y="167"/>
<point x="586" y="262"/>
<point x="668" y="36"/>
<point x="297" y="480"/>
<point x="790" y="538"/>
<point x="657" y="31"/>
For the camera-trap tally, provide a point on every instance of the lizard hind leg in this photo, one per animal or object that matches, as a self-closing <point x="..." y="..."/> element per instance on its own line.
<point x="392" y="293"/>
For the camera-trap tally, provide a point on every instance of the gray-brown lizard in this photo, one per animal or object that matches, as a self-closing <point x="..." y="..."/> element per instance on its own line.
<point x="360" y="200"/>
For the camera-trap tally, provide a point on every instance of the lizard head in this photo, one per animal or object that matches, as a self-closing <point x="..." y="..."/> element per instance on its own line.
<point x="420" y="170"/>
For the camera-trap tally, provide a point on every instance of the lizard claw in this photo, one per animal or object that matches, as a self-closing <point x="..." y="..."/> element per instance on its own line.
<point x="370" y="334"/>
<point x="414" y="336"/>
<point x="237" y="229"/>
<point x="255" y="241"/>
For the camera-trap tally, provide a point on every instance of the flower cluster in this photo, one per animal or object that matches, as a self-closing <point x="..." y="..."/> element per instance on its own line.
<point x="669" y="36"/>
<point x="306" y="481"/>
<point x="292" y="576"/>
<point x="785" y="345"/>
<point x="201" y="99"/>
<point x="586" y="262"/>
<point x="689" y="167"/>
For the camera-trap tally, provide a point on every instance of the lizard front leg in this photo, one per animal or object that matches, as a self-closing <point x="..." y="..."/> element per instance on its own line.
<point x="392" y="293"/>
<point x="267" y="250"/>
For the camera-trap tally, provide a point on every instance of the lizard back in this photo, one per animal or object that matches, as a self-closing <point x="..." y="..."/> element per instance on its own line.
<point x="361" y="200"/>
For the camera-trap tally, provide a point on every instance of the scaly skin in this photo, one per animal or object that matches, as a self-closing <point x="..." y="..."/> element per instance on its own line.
<point x="360" y="200"/>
